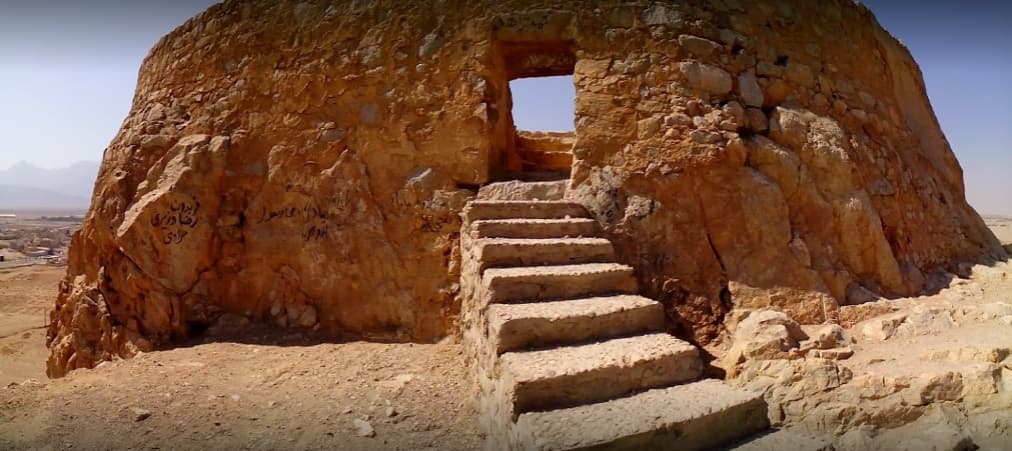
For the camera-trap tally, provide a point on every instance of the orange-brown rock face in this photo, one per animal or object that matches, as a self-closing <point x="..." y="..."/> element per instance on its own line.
<point x="304" y="164"/>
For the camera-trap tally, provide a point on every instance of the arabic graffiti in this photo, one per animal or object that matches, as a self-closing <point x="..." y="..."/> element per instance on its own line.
<point x="307" y="212"/>
<point x="174" y="222"/>
<point x="314" y="221"/>
<point x="175" y="237"/>
<point x="316" y="233"/>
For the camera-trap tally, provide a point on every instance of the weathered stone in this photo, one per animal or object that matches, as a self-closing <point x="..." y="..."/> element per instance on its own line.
<point x="883" y="327"/>
<point x="706" y="78"/>
<point x="924" y="321"/>
<point x="776" y="91"/>
<point x="756" y="120"/>
<point x="326" y="175"/>
<point x="748" y="88"/>
<point x="763" y="335"/>
<point x="698" y="46"/>
<point x="517" y="190"/>
<point x="800" y="74"/>
<point x="736" y="113"/>
<point x="831" y="354"/>
<point x="140" y="414"/>
<point x="662" y="15"/>
<point x="363" y="428"/>
<point x="828" y="336"/>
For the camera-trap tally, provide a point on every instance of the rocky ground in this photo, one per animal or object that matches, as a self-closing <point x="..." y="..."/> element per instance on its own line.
<point x="933" y="372"/>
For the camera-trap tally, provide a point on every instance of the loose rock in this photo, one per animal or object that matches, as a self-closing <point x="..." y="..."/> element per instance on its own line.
<point x="140" y="414"/>
<point x="363" y="428"/>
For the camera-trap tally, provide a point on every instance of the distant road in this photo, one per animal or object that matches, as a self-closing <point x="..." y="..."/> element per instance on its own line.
<point x="27" y="261"/>
<point x="35" y="213"/>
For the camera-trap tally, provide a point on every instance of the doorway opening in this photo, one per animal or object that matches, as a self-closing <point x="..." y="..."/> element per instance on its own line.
<point x="543" y="112"/>
<point x="536" y="137"/>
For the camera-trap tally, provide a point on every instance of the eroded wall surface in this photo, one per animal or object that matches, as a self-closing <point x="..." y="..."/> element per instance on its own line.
<point x="304" y="163"/>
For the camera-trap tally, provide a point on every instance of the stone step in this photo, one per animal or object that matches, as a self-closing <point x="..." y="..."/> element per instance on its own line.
<point x="520" y="190"/>
<point x="503" y="252"/>
<point x="537" y="176"/>
<point x="504" y="285"/>
<point x="694" y="416"/>
<point x="535" y="228"/>
<point x="574" y="375"/>
<point x="546" y="160"/>
<point x="519" y="326"/>
<point x="546" y="141"/>
<point x="522" y="209"/>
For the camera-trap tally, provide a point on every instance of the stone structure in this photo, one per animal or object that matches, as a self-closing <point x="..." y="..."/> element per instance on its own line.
<point x="565" y="353"/>
<point x="306" y="163"/>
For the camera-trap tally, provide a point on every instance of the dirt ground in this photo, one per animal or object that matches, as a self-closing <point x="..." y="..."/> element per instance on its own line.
<point x="268" y="392"/>
<point x="26" y="295"/>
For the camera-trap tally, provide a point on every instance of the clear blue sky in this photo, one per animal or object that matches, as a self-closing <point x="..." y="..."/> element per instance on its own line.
<point x="68" y="69"/>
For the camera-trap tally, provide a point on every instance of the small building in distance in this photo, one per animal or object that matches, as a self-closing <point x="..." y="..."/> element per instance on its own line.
<point x="40" y="252"/>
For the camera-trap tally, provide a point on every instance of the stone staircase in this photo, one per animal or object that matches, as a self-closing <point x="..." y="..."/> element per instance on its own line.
<point x="566" y="354"/>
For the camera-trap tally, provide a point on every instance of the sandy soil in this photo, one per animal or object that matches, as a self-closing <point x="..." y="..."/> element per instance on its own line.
<point x="26" y="295"/>
<point x="267" y="392"/>
<point x="245" y="396"/>
<point x="1001" y="226"/>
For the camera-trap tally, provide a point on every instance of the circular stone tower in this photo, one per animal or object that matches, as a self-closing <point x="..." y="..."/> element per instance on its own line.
<point x="304" y="163"/>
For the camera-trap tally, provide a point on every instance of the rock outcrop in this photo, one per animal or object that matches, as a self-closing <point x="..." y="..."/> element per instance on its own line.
<point x="915" y="371"/>
<point x="305" y="164"/>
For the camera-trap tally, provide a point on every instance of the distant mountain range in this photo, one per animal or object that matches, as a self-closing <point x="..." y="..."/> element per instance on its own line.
<point x="25" y="186"/>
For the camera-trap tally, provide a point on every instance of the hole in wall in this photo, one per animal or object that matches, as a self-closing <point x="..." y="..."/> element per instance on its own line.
<point x="537" y="134"/>
<point x="544" y="103"/>
<point x="543" y="117"/>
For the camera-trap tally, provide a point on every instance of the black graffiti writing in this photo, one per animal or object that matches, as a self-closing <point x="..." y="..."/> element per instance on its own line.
<point x="307" y="212"/>
<point x="174" y="220"/>
<point x="180" y="213"/>
<point x="315" y="233"/>
<point x="174" y="237"/>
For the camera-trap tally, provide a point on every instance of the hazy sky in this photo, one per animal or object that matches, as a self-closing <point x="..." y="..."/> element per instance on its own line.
<point x="68" y="69"/>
